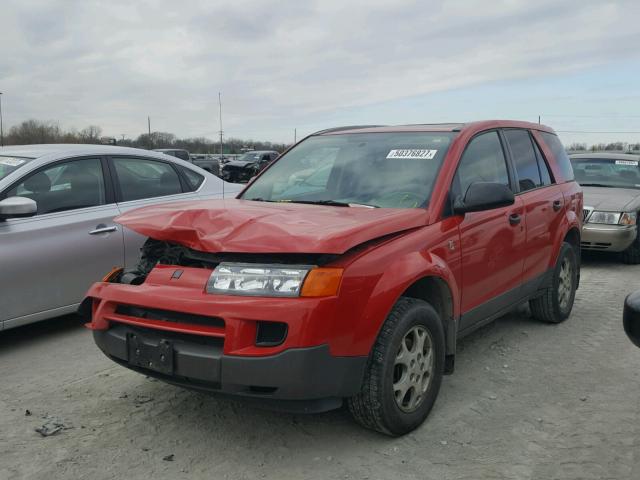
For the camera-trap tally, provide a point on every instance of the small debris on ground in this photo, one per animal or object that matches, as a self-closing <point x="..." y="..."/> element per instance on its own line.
<point x="142" y="399"/>
<point x="168" y="458"/>
<point x="51" y="427"/>
<point x="27" y="413"/>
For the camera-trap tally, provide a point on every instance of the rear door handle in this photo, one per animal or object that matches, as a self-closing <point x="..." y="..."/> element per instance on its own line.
<point x="515" y="219"/>
<point x="557" y="205"/>
<point x="102" y="228"/>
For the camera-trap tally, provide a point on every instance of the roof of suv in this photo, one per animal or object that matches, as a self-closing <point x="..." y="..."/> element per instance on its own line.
<point x="435" y="127"/>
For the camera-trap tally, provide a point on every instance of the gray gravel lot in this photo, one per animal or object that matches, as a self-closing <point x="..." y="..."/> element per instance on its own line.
<point x="527" y="401"/>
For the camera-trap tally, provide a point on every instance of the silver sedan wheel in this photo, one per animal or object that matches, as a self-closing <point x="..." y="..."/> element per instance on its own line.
<point x="413" y="368"/>
<point x="565" y="285"/>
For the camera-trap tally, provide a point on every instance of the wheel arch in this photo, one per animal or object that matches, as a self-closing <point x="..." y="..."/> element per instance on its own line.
<point x="437" y="293"/>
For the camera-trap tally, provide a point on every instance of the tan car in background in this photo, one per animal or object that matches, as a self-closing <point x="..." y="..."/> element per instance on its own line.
<point x="611" y="185"/>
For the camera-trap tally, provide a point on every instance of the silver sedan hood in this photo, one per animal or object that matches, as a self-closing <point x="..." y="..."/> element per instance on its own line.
<point x="612" y="199"/>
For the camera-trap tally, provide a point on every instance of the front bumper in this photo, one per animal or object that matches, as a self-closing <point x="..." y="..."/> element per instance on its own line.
<point x="299" y="379"/>
<point x="631" y="318"/>
<point x="214" y="340"/>
<point x="611" y="238"/>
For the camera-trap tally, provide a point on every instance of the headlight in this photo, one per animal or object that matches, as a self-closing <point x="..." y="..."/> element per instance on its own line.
<point x="274" y="280"/>
<point x="608" y="218"/>
<point x="611" y="218"/>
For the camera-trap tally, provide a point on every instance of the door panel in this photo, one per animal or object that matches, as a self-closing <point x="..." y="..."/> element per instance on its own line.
<point x="492" y="256"/>
<point x="544" y="209"/>
<point x="49" y="261"/>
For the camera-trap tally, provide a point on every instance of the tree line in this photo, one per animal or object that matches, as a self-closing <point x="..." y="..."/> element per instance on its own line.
<point x="32" y="132"/>
<point x="36" y="131"/>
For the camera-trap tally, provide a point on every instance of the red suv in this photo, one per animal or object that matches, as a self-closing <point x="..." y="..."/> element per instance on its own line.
<point x="349" y="268"/>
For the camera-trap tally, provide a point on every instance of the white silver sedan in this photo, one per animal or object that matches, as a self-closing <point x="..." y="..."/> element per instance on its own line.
<point x="57" y="205"/>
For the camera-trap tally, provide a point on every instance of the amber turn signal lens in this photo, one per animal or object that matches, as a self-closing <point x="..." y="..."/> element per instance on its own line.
<point x="322" y="282"/>
<point x="109" y="276"/>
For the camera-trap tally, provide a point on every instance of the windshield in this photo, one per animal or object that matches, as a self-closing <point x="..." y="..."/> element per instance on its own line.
<point x="607" y="172"/>
<point x="10" y="164"/>
<point x="391" y="170"/>
<point x="249" y="157"/>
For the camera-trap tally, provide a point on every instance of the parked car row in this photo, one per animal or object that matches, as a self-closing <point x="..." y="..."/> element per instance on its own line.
<point x="231" y="168"/>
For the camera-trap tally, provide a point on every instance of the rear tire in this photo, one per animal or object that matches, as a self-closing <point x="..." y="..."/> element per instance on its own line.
<point x="632" y="254"/>
<point x="404" y="371"/>
<point x="556" y="303"/>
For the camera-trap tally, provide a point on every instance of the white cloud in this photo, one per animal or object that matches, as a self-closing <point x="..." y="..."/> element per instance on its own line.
<point x="113" y="63"/>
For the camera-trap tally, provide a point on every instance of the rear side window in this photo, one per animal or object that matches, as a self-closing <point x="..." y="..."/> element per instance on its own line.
<point x="562" y="159"/>
<point x="194" y="180"/>
<point x="482" y="161"/>
<point x="545" y="173"/>
<point x="524" y="159"/>
<point x="140" y="178"/>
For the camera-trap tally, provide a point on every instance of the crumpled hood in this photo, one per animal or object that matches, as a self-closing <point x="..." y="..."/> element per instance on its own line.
<point x="611" y="199"/>
<point x="261" y="227"/>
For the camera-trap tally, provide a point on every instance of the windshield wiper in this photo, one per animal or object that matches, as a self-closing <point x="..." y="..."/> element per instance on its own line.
<point x="332" y="203"/>
<point x="596" y="185"/>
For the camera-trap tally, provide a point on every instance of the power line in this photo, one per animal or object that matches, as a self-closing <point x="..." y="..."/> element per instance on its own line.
<point x="590" y="131"/>
<point x="613" y="115"/>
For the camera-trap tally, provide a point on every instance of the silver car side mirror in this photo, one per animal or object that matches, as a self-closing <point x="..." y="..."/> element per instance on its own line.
<point x="17" y="207"/>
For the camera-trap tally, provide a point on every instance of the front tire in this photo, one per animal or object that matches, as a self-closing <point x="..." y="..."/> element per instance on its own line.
<point x="556" y="302"/>
<point x="404" y="371"/>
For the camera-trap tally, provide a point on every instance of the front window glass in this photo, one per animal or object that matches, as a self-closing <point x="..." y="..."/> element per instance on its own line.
<point x="606" y="172"/>
<point x="391" y="170"/>
<point x="64" y="186"/>
<point x="11" y="164"/>
<point x="482" y="161"/>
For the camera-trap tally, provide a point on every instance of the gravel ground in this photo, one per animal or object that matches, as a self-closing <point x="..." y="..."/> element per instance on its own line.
<point x="527" y="401"/>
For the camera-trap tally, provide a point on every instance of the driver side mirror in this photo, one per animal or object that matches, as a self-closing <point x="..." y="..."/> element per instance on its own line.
<point x="17" y="207"/>
<point x="482" y="196"/>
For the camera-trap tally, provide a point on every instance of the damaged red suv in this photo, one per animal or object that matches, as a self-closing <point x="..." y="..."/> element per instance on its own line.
<point x="349" y="268"/>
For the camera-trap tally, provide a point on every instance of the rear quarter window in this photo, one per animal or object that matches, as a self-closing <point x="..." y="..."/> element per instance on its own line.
<point x="562" y="159"/>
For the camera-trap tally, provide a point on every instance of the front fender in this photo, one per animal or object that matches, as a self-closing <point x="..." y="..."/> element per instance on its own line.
<point x="396" y="278"/>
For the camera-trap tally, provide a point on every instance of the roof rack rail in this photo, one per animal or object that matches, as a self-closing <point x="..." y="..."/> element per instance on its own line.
<point x="458" y="125"/>
<point x="346" y="127"/>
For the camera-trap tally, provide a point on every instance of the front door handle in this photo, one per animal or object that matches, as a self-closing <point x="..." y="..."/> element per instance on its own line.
<point x="515" y="219"/>
<point x="557" y="205"/>
<point x="102" y="228"/>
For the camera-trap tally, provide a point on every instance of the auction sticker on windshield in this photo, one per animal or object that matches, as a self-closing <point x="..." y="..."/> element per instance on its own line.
<point x="11" y="162"/>
<point x="413" y="154"/>
<point x="631" y="163"/>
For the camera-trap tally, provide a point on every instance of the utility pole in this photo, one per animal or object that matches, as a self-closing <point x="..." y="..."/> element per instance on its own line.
<point x="149" y="130"/>
<point x="295" y="136"/>
<point x="538" y="119"/>
<point x="1" y="131"/>
<point x="221" y="132"/>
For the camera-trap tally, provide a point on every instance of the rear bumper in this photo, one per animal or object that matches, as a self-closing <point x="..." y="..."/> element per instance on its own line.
<point x="631" y="319"/>
<point x="612" y="238"/>
<point x="298" y="379"/>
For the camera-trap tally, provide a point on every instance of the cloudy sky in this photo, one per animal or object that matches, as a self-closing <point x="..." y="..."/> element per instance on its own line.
<point x="309" y="65"/>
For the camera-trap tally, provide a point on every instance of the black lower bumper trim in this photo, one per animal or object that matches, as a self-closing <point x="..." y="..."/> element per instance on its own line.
<point x="298" y="379"/>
